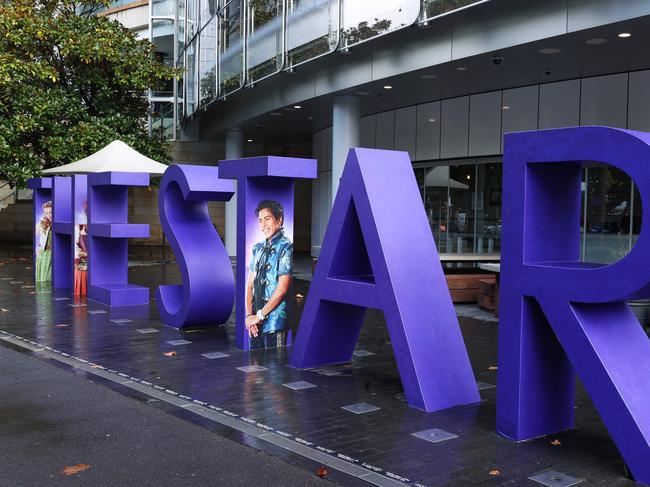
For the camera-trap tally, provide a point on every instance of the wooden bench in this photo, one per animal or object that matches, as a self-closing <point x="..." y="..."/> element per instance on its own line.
<point x="487" y="293"/>
<point x="464" y="288"/>
<point x="496" y="270"/>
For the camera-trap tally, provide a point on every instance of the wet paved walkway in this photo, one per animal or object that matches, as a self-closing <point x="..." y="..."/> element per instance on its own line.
<point x="207" y="381"/>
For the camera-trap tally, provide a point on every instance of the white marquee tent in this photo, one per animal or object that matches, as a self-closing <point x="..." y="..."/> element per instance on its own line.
<point x="439" y="177"/>
<point x="116" y="156"/>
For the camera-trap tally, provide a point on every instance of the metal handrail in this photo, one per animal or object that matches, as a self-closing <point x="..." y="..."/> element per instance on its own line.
<point x="165" y="114"/>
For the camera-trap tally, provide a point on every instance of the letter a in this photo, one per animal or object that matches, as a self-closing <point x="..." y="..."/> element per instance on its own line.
<point x="378" y="252"/>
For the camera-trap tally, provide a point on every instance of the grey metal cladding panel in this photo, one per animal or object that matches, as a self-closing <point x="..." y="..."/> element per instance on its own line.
<point x="405" y="130"/>
<point x="325" y="202"/>
<point x="521" y="111"/>
<point x="326" y="149"/>
<point x="316" y="150"/>
<point x="638" y="115"/>
<point x="426" y="47"/>
<point x="368" y="131"/>
<point x="505" y="24"/>
<point x="584" y="14"/>
<point x="351" y="70"/>
<point x="603" y="101"/>
<point x="319" y="150"/>
<point x="315" y="222"/>
<point x="275" y="95"/>
<point x="428" y="132"/>
<point x="454" y="116"/>
<point x="386" y="130"/>
<point x="559" y="104"/>
<point x="485" y="124"/>
<point x="302" y="87"/>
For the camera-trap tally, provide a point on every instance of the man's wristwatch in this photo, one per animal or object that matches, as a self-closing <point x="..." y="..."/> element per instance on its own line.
<point x="260" y="315"/>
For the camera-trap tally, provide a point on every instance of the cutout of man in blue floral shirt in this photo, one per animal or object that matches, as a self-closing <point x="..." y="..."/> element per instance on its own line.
<point x="269" y="280"/>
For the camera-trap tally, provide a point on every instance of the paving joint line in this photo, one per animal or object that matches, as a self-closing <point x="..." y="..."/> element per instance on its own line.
<point x="338" y="461"/>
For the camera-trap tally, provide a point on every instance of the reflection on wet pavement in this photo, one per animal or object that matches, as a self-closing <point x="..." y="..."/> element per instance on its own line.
<point x="260" y="388"/>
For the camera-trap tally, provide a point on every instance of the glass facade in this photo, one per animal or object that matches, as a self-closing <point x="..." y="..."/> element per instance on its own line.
<point x="611" y="214"/>
<point x="163" y="33"/>
<point x="265" y="39"/>
<point x="312" y="29"/>
<point x="162" y="8"/>
<point x="208" y="62"/>
<point x="463" y="206"/>
<point x="163" y="118"/>
<point x="435" y="8"/>
<point x="231" y="47"/>
<point x="191" y="86"/>
<point x="224" y="45"/>
<point x="366" y="19"/>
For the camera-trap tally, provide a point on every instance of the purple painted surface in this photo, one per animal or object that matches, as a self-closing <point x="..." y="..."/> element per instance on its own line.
<point x="260" y="178"/>
<point x="108" y="206"/>
<point x="39" y="183"/>
<point x="372" y="257"/>
<point x="558" y="313"/>
<point x="62" y="251"/>
<point x="79" y="237"/>
<point x="208" y="290"/>
<point x="42" y="191"/>
<point x="281" y="167"/>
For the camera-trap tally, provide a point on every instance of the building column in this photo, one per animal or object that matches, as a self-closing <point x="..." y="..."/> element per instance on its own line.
<point x="330" y="148"/>
<point x="234" y="150"/>
<point x="346" y="133"/>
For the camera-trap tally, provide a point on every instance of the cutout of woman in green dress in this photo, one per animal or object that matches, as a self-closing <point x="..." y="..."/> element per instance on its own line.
<point x="44" y="244"/>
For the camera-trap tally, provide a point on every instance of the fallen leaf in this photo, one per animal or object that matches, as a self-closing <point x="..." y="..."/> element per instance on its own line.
<point x="75" y="469"/>
<point x="492" y="367"/>
<point x="495" y="472"/>
<point x="322" y="471"/>
<point x="170" y="354"/>
<point x="556" y="442"/>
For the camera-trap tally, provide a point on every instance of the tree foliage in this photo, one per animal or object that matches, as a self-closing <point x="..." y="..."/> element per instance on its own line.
<point x="71" y="82"/>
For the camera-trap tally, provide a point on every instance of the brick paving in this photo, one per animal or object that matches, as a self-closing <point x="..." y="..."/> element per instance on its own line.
<point x="205" y="369"/>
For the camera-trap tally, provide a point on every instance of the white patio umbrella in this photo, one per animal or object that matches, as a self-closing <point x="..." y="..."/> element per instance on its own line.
<point x="116" y="156"/>
<point x="439" y="177"/>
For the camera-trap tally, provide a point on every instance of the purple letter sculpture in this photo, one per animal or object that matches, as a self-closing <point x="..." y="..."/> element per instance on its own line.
<point x="42" y="255"/>
<point x="208" y="290"/>
<point x="63" y="232"/>
<point x="108" y="232"/>
<point x="262" y="179"/>
<point x="558" y="313"/>
<point x="378" y="252"/>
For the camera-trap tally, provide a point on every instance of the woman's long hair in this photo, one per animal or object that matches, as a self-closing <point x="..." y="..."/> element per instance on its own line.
<point x="45" y="223"/>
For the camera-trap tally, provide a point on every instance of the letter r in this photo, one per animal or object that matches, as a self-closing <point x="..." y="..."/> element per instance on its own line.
<point x="558" y="313"/>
